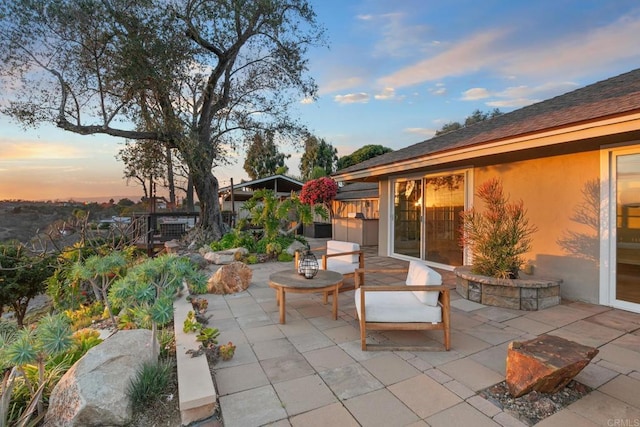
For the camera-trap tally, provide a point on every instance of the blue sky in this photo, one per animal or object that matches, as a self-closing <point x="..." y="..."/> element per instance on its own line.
<point x="395" y="72"/>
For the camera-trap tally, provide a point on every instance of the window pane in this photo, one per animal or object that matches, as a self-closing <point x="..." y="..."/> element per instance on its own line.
<point x="444" y="197"/>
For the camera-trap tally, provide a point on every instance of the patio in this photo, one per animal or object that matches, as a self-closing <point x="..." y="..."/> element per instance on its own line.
<point x="311" y="371"/>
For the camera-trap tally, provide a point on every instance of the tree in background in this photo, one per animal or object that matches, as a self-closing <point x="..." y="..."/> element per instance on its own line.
<point x="144" y="163"/>
<point x="475" y="117"/>
<point x="361" y="154"/>
<point x="318" y="153"/>
<point x="22" y="277"/>
<point x="263" y="158"/>
<point x="105" y="67"/>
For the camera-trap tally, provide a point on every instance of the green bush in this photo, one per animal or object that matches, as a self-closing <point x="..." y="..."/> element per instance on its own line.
<point x="285" y="257"/>
<point x="235" y="239"/>
<point x="252" y="259"/>
<point x="150" y="382"/>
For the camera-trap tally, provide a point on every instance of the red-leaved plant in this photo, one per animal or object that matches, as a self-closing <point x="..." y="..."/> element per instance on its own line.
<point x="319" y="191"/>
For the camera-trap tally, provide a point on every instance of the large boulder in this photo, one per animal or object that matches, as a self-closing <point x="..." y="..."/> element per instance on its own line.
<point x="225" y="257"/>
<point x="230" y="279"/>
<point x="94" y="391"/>
<point x="545" y="364"/>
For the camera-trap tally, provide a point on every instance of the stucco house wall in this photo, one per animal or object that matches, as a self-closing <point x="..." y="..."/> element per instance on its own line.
<point x="556" y="193"/>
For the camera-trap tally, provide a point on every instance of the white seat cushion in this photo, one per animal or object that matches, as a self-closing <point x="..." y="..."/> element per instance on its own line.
<point x="336" y="247"/>
<point x="421" y="275"/>
<point x="340" y="266"/>
<point x="397" y="307"/>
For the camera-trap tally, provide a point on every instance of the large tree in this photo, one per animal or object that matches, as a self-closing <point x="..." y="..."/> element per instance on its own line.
<point x="127" y="69"/>
<point x="361" y="154"/>
<point x="318" y="153"/>
<point x="263" y="158"/>
<point x="475" y="117"/>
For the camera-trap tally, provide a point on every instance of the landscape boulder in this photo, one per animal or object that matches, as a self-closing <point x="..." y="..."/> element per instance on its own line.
<point x="94" y="391"/>
<point x="545" y="364"/>
<point x="296" y="246"/>
<point x="225" y="257"/>
<point x="230" y="279"/>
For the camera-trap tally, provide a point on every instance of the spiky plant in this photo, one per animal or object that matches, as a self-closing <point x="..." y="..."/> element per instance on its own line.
<point x="149" y="383"/>
<point x="150" y="287"/>
<point x="101" y="271"/>
<point x="32" y="347"/>
<point x="498" y="236"/>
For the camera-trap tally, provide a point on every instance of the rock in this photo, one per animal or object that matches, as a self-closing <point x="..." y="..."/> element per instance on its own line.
<point x="197" y="259"/>
<point x="295" y="246"/>
<point x="172" y="246"/>
<point x="545" y="364"/>
<point x="225" y="257"/>
<point x="94" y="391"/>
<point x="230" y="279"/>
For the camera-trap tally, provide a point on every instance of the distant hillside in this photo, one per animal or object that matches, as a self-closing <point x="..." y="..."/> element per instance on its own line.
<point x="22" y="220"/>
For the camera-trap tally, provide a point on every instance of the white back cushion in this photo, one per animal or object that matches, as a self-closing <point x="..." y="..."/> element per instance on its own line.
<point x="336" y="247"/>
<point x="421" y="275"/>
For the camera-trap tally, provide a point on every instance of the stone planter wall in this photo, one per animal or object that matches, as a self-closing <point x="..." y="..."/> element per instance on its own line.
<point x="519" y="294"/>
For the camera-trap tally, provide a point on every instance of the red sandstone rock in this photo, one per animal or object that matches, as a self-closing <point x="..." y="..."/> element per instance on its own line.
<point x="230" y="279"/>
<point x="545" y="364"/>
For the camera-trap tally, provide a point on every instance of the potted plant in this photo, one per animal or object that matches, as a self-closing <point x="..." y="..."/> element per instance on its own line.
<point x="319" y="192"/>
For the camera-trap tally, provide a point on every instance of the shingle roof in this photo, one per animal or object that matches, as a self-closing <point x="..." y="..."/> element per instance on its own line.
<point x="358" y="190"/>
<point x="607" y="98"/>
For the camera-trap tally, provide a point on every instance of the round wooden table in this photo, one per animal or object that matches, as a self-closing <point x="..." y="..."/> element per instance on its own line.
<point x="290" y="281"/>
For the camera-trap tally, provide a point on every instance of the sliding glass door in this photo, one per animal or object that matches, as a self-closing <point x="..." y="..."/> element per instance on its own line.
<point x="444" y="200"/>
<point x="426" y="213"/>
<point x="627" y="252"/>
<point x="407" y="217"/>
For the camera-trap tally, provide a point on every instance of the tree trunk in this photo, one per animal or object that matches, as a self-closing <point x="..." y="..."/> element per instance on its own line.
<point x="207" y="187"/>
<point x="189" y="200"/>
<point x="170" y="178"/>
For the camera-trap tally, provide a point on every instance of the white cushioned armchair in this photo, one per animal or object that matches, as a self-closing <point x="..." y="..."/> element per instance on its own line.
<point x="421" y="303"/>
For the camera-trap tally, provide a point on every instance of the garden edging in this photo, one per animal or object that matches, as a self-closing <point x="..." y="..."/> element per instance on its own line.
<point x="196" y="391"/>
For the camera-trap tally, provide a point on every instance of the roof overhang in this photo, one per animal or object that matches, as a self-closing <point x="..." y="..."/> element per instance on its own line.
<point x="588" y="130"/>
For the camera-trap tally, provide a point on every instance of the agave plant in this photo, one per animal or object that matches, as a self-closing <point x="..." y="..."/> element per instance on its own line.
<point x="150" y="287"/>
<point x="26" y="353"/>
<point x="101" y="272"/>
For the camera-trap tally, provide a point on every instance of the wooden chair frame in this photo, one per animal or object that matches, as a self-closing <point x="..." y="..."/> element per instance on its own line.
<point x="443" y="302"/>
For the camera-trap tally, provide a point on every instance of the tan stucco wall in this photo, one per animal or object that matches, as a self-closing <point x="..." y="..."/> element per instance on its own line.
<point x="552" y="191"/>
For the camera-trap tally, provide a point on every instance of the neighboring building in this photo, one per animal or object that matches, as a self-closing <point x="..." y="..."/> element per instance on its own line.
<point x="281" y="185"/>
<point x="575" y="162"/>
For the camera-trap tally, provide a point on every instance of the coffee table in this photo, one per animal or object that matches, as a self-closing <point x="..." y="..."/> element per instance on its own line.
<point x="290" y="281"/>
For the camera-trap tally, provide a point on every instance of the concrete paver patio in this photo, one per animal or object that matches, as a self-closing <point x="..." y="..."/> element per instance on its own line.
<point x="311" y="371"/>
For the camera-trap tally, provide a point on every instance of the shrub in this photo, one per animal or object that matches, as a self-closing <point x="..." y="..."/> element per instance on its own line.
<point x="85" y="315"/>
<point x="499" y="236"/>
<point x="285" y="257"/>
<point x="150" y="381"/>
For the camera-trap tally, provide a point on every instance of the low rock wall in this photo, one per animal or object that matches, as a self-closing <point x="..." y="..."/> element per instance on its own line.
<point x="519" y="294"/>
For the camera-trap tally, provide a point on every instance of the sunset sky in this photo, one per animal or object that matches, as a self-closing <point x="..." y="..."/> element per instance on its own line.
<point x="394" y="73"/>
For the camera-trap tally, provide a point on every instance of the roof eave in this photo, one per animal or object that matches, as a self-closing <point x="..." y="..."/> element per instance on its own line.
<point x="592" y="129"/>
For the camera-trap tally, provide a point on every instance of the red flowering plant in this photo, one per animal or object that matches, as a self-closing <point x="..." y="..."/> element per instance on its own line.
<point x="319" y="191"/>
